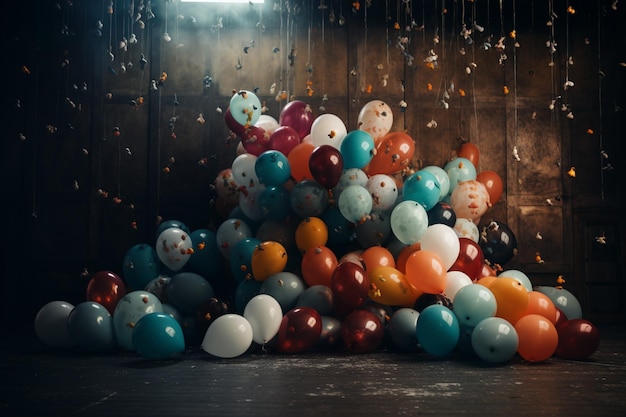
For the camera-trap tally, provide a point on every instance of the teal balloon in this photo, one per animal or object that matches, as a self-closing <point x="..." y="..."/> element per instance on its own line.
<point x="140" y="266"/>
<point x="423" y="187"/>
<point x="355" y="203"/>
<point x="495" y="340"/>
<point x="309" y="199"/>
<point x="474" y="303"/>
<point x="357" y="149"/>
<point x="205" y="259"/>
<point x="442" y="178"/>
<point x="563" y="300"/>
<point x="285" y="287"/>
<point x="437" y="330"/>
<point x="409" y="221"/>
<point x="90" y="326"/>
<point x="340" y="230"/>
<point x="272" y="168"/>
<point x="158" y="336"/>
<point x="244" y="292"/>
<point x="171" y="223"/>
<point x="275" y="202"/>
<point x="241" y="258"/>
<point x="187" y="291"/>
<point x="245" y="107"/>
<point x="402" y="329"/>
<point x="459" y="170"/>
<point x="132" y="307"/>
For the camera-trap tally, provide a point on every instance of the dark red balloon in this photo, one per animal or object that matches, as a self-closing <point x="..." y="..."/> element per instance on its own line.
<point x="299" y="330"/>
<point x="208" y="312"/>
<point x="284" y="139"/>
<point x="255" y="140"/>
<point x="578" y="339"/>
<point x="106" y="288"/>
<point x="350" y="284"/>
<point x="232" y="124"/>
<point x="326" y="165"/>
<point x="362" y="332"/>
<point x="470" y="259"/>
<point x="297" y="115"/>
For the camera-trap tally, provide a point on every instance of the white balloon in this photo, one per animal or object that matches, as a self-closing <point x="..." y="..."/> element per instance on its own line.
<point x="174" y="248"/>
<point x="265" y="315"/>
<point x="268" y="123"/>
<point x="51" y="324"/>
<point x="328" y="129"/>
<point x="243" y="169"/>
<point x="384" y="191"/>
<point x="442" y="240"/>
<point x="229" y="233"/>
<point x="455" y="280"/>
<point x="228" y="336"/>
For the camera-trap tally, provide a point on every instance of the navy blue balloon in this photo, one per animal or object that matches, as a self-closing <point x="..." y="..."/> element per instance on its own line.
<point x="437" y="330"/>
<point x="158" y="336"/>
<point x="187" y="291"/>
<point x="442" y="213"/>
<point x="90" y="327"/>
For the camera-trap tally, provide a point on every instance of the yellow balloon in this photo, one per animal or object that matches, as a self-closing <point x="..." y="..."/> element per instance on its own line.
<point x="388" y="286"/>
<point x="311" y="232"/>
<point x="268" y="258"/>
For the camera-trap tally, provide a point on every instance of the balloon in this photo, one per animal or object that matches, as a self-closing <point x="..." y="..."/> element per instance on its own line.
<point x="249" y="202"/>
<point x="357" y="149"/>
<point x="328" y="129"/>
<point x="233" y="124"/>
<point x="326" y="165"/>
<point x="539" y="303"/>
<point x="318" y="297"/>
<point x="282" y="232"/>
<point x="474" y="303"/>
<point x="106" y="288"/>
<point x="208" y="312"/>
<point x="388" y="286"/>
<point x="443" y="241"/>
<point x="272" y="168"/>
<point x="318" y="265"/>
<point x="375" y="118"/>
<point x="384" y="191"/>
<point x="376" y="256"/>
<point x="158" y="336"/>
<point x="330" y="336"/>
<point x="469" y="151"/>
<point x="538" y="338"/>
<point x="140" y="266"/>
<point x="350" y="176"/>
<point x="498" y="242"/>
<point x="401" y="327"/>
<point x="299" y="161"/>
<point x="578" y="339"/>
<point x="423" y="187"/>
<point x="241" y="258"/>
<point x="255" y="140"/>
<point x="340" y="230"/>
<point x="309" y="199"/>
<point x="51" y="324"/>
<point x="355" y="203"/>
<point x="470" y="200"/>
<point x="299" y="331"/>
<point x="437" y="330"/>
<point x="226" y="186"/>
<point x="495" y="340"/>
<point x="269" y="257"/>
<point x="404" y="255"/>
<point x="229" y="233"/>
<point x="426" y="272"/>
<point x="285" y="287"/>
<point x="361" y="332"/>
<point x="132" y="307"/>
<point x="90" y="327"/>
<point x="205" y="259"/>
<point x="311" y="232"/>
<point x="228" y="336"/>
<point x="174" y="247"/>
<point x="275" y="202"/>
<point x="441" y="213"/>
<point x="470" y="259"/>
<point x="350" y="284"/>
<point x="284" y="139"/>
<point x="297" y="115"/>
<point x="245" y="107"/>
<point x="374" y="230"/>
<point x="563" y="300"/>
<point x="442" y="179"/>
<point x="409" y="222"/>
<point x="511" y="297"/>
<point x="459" y="170"/>
<point x="487" y="280"/>
<point x="187" y="291"/>
<point x="268" y="123"/>
<point x="264" y="314"/>
<point x="244" y="172"/>
<point x="518" y="275"/>
<point x="455" y="280"/>
<point x="466" y="228"/>
<point x="493" y="184"/>
<point x="393" y="153"/>
<point x="244" y="292"/>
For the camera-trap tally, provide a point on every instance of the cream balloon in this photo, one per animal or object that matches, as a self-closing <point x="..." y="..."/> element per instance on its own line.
<point x="375" y="118"/>
<point x="466" y="228"/>
<point x="174" y="248"/>
<point x="470" y="200"/>
<point x="455" y="280"/>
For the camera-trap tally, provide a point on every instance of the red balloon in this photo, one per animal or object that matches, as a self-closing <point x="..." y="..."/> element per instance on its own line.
<point x="299" y="330"/>
<point x="350" y="284"/>
<point x="326" y="165"/>
<point x="284" y="139"/>
<point x="106" y="288"/>
<point x="469" y="151"/>
<point x="362" y="331"/>
<point x="470" y="259"/>
<point x="232" y="124"/>
<point x="298" y="115"/>
<point x="393" y="153"/>
<point x="318" y="265"/>
<point x="255" y="140"/>
<point x="493" y="183"/>
<point x="578" y="339"/>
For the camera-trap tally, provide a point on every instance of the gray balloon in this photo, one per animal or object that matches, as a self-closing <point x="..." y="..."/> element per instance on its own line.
<point x="318" y="297"/>
<point x="90" y="326"/>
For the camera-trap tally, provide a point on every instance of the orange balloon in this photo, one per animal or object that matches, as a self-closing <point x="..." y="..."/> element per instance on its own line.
<point x="268" y="258"/>
<point x="511" y="297"/>
<point x="469" y="151"/>
<point x="388" y="286"/>
<point x="299" y="161"/>
<point x="318" y="265"/>
<point x="486" y="281"/>
<point x="493" y="183"/>
<point x="404" y="255"/>
<point x="311" y="232"/>
<point x="393" y="154"/>
<point x="377" y="256"/>
<point x="426" y="272"/>
<point x="539" y="303"/>
<point x="538" y="338"/>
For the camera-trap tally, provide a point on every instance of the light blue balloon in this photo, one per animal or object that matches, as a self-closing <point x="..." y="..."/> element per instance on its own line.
<point x="459" y="170"/>
<point x="272" y="168"/>
<point x="205" y="259"/>
<point x="187" y="291"/>
<point x="90" y="326"/>
<point x="402" y="329"/>
<point x="318" y="297"/>
<point x="495" y="340"/>
<point x="275" y="202"/>
<point x="285" y="287"/>
<point x="357" y="149"/>
<point x="140" y="266"/>
<point x="229" y="233"/>
<point x="309" y="199"/>
<point x="423" y="187"/>
<point x="409" y="222"/>
<point x="245" y="107"/>
<point x="519" y="276"/>
<point x="442" y="178"/>
<point x="474" y="303"/>
<point x="158" y="336"/>
<point x="350" y="176"/>
<point x="132" y="307"/>
<point x="355" y="203"/>
<point x="437" y="330"/>
<point x="241" y="258"/>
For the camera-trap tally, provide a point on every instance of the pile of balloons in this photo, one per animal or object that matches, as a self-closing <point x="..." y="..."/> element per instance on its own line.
<point x="331" y="241"/>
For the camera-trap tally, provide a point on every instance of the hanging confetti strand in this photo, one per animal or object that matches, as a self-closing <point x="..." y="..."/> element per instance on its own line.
<point x="600" y="124"/>
<point x="476" y="137"/>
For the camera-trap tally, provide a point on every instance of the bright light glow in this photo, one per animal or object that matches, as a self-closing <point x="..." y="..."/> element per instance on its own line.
<point x="223" y="1"/>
